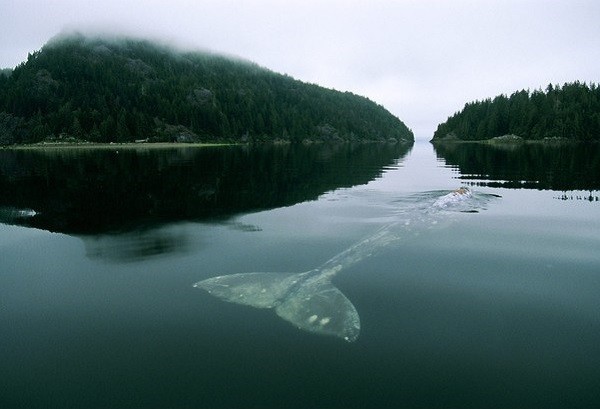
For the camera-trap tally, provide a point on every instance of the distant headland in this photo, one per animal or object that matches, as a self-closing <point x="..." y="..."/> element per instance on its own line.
<point x="559" y="114"/>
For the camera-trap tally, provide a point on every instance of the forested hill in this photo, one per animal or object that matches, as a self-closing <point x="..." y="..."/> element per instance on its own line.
<point x="122" y="90"/>
<point x="571" y="111"/>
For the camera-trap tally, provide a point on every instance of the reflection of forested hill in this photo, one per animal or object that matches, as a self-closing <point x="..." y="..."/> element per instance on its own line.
<point x="534" y="166"/>
<point x="94" y="191"/>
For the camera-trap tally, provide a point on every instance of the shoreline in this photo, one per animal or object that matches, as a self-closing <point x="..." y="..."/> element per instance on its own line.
<point x="178" y="145"/>
<point x="124" y="145"/>
<point x="509" y="142"/>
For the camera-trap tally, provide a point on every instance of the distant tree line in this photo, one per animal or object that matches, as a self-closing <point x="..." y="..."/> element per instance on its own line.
<point x="124" y="90"/>
<point x="571" y="111"/>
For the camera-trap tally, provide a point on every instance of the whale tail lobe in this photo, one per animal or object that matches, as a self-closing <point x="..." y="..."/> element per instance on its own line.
<point x="307" y="300"/>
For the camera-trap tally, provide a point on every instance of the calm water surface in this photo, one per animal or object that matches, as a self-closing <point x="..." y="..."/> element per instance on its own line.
<point x="99" y="251"/>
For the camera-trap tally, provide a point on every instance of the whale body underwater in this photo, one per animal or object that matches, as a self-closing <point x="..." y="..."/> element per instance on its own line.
<point x="309" y="300"/>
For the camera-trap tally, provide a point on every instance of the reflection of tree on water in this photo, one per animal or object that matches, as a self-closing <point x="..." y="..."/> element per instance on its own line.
<point x="118" y="190"/>
<point x="149" y="243"/>
<point x="589" y="198"/>
<point x="135" y="246"/>
<point x="528" y="166"/>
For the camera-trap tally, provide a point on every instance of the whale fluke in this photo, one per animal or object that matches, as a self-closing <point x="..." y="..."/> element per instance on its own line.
<point x="318" y="306"/>
<point x="307" y="300"/>
<point x="259" y="290"/>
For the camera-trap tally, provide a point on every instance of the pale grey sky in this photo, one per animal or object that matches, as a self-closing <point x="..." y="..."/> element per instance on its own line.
<point x="421" y="59"/>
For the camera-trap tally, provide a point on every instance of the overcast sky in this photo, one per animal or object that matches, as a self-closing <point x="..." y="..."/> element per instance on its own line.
<point x="421" y="59"/>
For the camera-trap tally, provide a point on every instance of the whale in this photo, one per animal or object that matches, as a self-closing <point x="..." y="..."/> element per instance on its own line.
<point x="309" y="300"/>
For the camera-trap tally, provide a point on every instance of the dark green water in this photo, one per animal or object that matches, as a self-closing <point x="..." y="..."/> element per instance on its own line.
<point x="497" y="309"/>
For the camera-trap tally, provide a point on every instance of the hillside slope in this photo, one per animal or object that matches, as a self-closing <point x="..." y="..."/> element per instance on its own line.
<point x="121" y="90"/>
